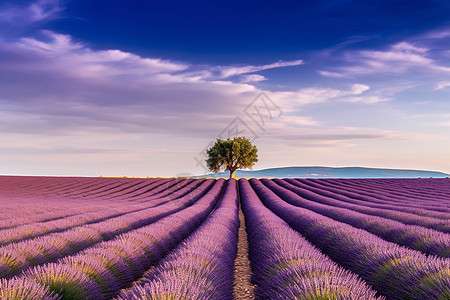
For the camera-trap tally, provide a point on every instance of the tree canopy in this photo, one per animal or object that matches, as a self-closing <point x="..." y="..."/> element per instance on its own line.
<point x="233" y="154"/>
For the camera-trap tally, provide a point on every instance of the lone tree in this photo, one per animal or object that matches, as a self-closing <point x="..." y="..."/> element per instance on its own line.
<point x="238" y="153"/>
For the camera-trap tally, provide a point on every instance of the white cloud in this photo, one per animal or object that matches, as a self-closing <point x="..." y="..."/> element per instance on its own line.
<point x="397" y="59"/>
<point x="443" y="123"/>
<point x="229" y="71"/>
<point x="407" y="47"/>
<point x="292" y="101"/>
<point x="441" y="120"/>
<point x="358" y="89"/>
<point x="333" y="74"/>
<point x="367" y="100"/>
<point x="252" y="78"/>
<point x="442" y="85"/>
<point x="293" y="122"/>
<point x="69" y="85"/>
<point x="56" y="44"/>
<point x="60" y="53"/>
<point x="23" y="15"/>
<point x="317" y="133"/>
<point x="440" y="33"/>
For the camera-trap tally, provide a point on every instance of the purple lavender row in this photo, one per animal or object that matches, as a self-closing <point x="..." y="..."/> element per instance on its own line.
<point x="402" y="196"/>
<point x="37" y="210"/>
<point x="398" y="197"/>
<point x="90" y="188"/>
<point x="177" y="188"/>
<point x="286" y="266"/>
<point x="47" y="210"/>
<point x="16" y="257"/>
<point x="403" y="217"/>
<point x="80" y="186"/>
<point x="24" y="288"/>
<point x="20" y="184"/>
<point x="381" y="193"/>
<point x="38" y="185"/>
<point x="190" y="199"/>
<point x="24" y="200"/>
<point x="201" y="267"/>
<point x="104" y="188"/>
<point x="101" y="271"/>
<point x="165" y="189"/>
<point x="26" y="214"/>
<point x="97" y="185"/>
<point x="398" y="188"/>
<point x="108" y="191"/>
<point x="371" y="201"/>
<point x="149" y="190"/>
<point x="153" y="188"/>
<point x="415" y="237"/>
<point x="73" y="189"/>
<point x="125" y="187"/>
<point x="387" y="186"/>
<point x="436" y="188"/>
<point x="59" y="217"/>
<point x="33" y="230"/>
<point x="394" y="271"/>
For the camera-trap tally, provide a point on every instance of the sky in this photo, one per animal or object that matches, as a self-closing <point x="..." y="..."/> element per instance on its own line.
<point x="142" y="88"/>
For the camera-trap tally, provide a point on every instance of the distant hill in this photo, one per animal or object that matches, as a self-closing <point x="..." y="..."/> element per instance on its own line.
<point x="327" y="172"/>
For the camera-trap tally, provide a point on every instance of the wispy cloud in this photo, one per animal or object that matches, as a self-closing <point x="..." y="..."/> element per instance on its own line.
<point x="398" y="58"/>
<point x="229" y="71"/>
<point x="20" y="15"/>
<point x="61" y="53"/>
<point x="71" y="88"/>
<point x="440" y="33"/>
<point x="442" y="124"/>
<point x="319" y="134"/>
<point x="292" y="101"/>
<point x="440" y="120"/>
<point x="368" y="99"/>
<point x="252" y="78"/>
<point x="333" y="74"/>
<point x="442" y="85"/>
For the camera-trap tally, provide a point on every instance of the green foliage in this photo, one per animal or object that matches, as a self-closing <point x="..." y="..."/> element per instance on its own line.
<point x="233" y="154"/>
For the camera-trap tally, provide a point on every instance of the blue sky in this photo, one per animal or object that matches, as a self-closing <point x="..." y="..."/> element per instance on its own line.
<point x="142" y="87"/>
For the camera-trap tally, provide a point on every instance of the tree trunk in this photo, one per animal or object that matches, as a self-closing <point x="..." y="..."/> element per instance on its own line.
<point x="232" y="173"/>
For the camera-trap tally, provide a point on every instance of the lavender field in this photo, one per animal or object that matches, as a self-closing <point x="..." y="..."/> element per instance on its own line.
<point x="167" y="238"/>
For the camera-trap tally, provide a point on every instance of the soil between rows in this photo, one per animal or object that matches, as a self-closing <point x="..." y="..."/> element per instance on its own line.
<point x="243" y="288"/>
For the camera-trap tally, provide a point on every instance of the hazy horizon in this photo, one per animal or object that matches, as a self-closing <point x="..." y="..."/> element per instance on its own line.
<point x="114" y="88"/>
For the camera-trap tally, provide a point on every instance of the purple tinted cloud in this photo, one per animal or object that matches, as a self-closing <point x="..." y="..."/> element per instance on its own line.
<point x="22" y="15"/>
<point x="400" y="58"/>
<point x="65" y="81"/>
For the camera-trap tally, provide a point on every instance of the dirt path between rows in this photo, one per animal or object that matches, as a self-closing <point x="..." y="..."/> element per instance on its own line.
<point x="243" y="288"/>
